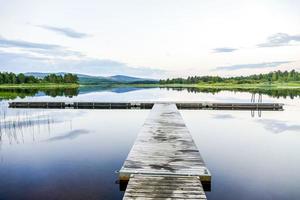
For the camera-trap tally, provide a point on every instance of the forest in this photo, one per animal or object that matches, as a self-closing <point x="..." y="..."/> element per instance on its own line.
<point x="12" y="78"/>
<point x="271" y="77"/>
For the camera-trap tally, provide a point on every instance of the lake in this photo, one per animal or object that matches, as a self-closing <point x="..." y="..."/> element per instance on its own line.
<point x="74" y="154"/>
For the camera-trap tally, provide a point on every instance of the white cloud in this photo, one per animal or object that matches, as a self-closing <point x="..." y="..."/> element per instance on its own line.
<point x="65" y="31"/>
<point x="251" y="66"/>
<point x="224" y="50"/>
<point x="22" y="62"/>
<point x="280" y="39"/>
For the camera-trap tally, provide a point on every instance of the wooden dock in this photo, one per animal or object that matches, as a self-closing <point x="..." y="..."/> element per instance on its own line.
<point x="147" y="105"/>
<point x="164" y="152"/>
<point x="164" y="162"/>
<point x="164" y="187"/>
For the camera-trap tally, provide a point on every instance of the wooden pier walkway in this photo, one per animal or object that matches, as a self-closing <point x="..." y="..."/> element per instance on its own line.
<point x="164" y="187"/>
<point x="164" y="152"/>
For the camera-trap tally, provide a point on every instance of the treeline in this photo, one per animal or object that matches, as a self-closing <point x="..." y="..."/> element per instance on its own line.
<point x="12" y="78"/>
<point x="276" y="76"/>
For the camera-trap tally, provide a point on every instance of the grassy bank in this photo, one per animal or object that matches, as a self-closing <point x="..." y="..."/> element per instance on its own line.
<point x="230" y="86"/>
<point x="38" y="86"/>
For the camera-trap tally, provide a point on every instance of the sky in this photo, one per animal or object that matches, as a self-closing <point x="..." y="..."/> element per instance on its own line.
<point x="150" y="38"/>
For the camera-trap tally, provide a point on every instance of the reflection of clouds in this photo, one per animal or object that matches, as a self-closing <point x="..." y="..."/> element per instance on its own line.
<point x="25" y="114"/>
<point x="222" y="116"/>
<point x="232" y="99"/>
<point x="63" y="115"/>
<point x="126" y="89"/>
<point x="277" y="126"/>
<point x="70" y="135"/>
<point x="21" y="124"/>
<point x="31" y="118"/>
<point x="13" y="123"/>
<point x="26" y="123"/>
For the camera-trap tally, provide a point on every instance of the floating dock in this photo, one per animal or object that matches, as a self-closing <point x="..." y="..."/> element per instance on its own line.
<point x="164" y="152"/>
<point x="147" y="105"/>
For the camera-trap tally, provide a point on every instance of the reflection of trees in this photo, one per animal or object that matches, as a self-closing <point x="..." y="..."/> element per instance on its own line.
<point x="69" y="92"/>
<point x="280" y="93"/>
<point x="195" y="90"/>
<point x="291" y="93"/>
<point x="10" y="94"/>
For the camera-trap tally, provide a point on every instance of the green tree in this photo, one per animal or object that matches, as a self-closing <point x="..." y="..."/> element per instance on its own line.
<point x="21" y="78"/>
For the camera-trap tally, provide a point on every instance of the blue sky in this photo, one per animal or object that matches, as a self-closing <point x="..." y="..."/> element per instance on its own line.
<point x="154" y="38"/>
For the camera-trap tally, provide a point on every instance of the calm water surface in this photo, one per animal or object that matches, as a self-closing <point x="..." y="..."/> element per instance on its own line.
<point x="73" y="154"/>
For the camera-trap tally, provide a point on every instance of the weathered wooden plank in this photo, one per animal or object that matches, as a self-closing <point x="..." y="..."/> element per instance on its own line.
<point x="162" y="195"/>
<point x="164" y="146"/>
<point x="184" y="186"/>
<point x="161" y="198"/>
<point x="164" y="162"/>
<point x="138" y="188"/>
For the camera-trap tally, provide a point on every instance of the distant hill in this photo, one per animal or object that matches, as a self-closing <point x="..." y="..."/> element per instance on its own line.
<point x="129" y="79"/>
<point x="99" y="80"/>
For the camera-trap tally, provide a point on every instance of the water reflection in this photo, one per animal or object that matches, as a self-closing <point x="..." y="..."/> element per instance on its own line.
<point x="291" y="93"/>
<point x="277" y="126"/>
<point x="34" y="122"/>
<point x="77" y="160"/>
<point x="14" y="126"/>
<point x="70" y="135"/>
<point x="73" y="154"/>
<point x="10" y="94"/>
<point x="110" y="88"/>
<point x="222" y="116"/>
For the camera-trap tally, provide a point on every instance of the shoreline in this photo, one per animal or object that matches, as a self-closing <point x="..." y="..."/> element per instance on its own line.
<point x="39" y="86"/>
<point x="263" y="86"/>
<point x="226" y="86"/>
